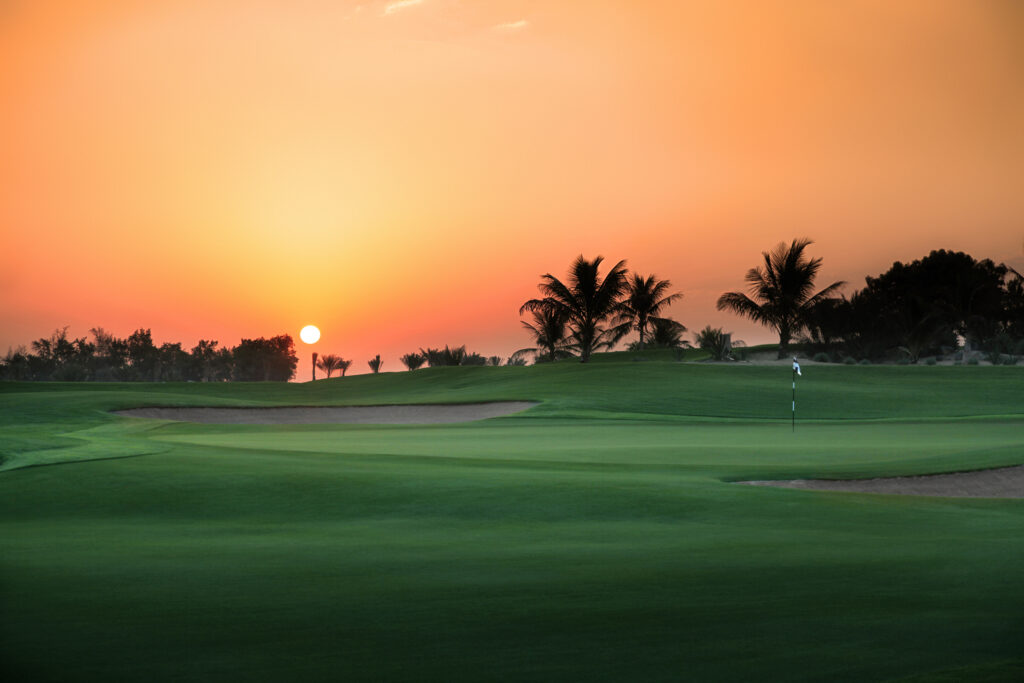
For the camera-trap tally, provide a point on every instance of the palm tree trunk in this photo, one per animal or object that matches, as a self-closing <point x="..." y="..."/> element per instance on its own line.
<point x="784" y="336"/>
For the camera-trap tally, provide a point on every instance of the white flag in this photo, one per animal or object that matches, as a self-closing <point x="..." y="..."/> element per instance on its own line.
<point x="796" y="367"/>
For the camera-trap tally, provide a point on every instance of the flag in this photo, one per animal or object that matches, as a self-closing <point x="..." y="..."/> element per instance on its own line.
<point x="796" y="367"/>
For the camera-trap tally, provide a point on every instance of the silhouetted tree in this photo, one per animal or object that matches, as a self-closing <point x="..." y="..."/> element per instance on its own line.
<point x="645" y="298"/>
<point x="549" y="335"/>
<point x="375" y="364"/>
<point x="444" y="357"/>
<point x="273" y="359"/>
<point x="473" y="359"/>
<point x="413" y="360"/>
<point x="781" y="292"/>
<point x="716" y="342"/>
<point x="1013" y="307"/>
<point x="110" y="362"/>
<point x="923" y="306"/>
<point x="329" y="363"/>
<point x="59" y="358"/>
<point x="203" y="361"/>
<point x="344" y="365"/>
<point x="143" y="356"/>
<point x="665" y="334"/>
<point x="494" y="360"/>
<point x="586" y="302"/>
<point x="15" y="366"/>
<point x="173" y="362"/>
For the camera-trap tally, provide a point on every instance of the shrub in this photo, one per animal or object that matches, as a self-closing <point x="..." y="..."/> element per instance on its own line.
<point x="375" y="364"/>
<point x="413" y="360"/>
<point x="930" y="360"/>
<point x="444" y="357"/>
<point x="864" y="361"/>
<point x="822" y="357"/>
<point x="972" y="361"/>
<point x="714" y="341"/>
<point x="849" y="360"/>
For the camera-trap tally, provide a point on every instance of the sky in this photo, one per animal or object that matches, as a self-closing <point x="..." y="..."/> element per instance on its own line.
<point x="402" y="172"/>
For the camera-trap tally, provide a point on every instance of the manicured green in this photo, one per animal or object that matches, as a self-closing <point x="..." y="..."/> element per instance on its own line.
<point x="595" y="537"/>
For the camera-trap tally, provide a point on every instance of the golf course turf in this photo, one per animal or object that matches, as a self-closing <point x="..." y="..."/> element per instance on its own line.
<point x="595" y="536"/>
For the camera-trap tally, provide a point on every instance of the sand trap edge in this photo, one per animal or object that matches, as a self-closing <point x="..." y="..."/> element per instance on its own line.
<point x="997" y="482"/>
<point x="390" y="414"/>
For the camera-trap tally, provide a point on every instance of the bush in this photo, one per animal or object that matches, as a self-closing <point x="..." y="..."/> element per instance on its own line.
<point x="822" y="357"/>
<point x="413" y="360"/>
<point x="849" y="360"/>
<point x="972" y="361"/>
<point x="864" y="361"/>
<point x="930" y="360"/>
<point x="715" y="342"/>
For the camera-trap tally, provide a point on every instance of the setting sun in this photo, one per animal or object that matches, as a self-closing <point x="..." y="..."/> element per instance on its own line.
<point x="310" y="334"/>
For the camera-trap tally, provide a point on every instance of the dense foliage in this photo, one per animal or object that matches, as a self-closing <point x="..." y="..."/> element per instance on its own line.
<point x="781" y="291"/>
<point x="137" y="358"/>
<point x="589" y="313"/>
<point x="943" y="303"/>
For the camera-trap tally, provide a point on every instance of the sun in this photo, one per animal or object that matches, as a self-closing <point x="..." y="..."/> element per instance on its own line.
<point x="310" y="334"/>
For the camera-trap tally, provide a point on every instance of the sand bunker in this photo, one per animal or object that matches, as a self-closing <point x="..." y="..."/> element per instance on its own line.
<point x="1002" y="482"/>
<point x="412" y="414"/>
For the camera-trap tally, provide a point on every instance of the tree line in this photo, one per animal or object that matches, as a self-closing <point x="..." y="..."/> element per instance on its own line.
<point x="945" y="303"/>
<point x="137" y="358"/>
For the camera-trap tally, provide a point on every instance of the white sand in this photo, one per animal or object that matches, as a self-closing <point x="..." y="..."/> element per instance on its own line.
<point x="409" y="414"/>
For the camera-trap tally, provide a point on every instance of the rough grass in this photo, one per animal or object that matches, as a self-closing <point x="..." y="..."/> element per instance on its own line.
<point x="595" y="537"/>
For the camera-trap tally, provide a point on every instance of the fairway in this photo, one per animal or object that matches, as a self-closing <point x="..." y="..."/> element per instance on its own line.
<point x="596" y="536"/>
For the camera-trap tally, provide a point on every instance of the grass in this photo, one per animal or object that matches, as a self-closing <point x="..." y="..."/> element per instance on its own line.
<point x="593" y="537"/>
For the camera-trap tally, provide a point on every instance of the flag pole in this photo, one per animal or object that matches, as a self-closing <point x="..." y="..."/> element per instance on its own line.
<point x="796" y="371"/>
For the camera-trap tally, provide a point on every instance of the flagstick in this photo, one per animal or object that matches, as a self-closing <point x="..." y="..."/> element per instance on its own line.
<point x="794" y="400"/>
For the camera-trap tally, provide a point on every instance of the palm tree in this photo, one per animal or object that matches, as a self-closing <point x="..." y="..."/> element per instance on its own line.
<point x="643" y="303"/>
<point x="344" y="365"/>
<point x="549" y="335"/>
<point x="716" y="342"/>
<point x="375" y="364"/>
<point x="329" y="363"/>
<point x="444" y="357"/>
<point x="586" y="302"/>
<point x="781" y="291"/>
<point x="668" y="334"/>
<point x="413" y="360"/>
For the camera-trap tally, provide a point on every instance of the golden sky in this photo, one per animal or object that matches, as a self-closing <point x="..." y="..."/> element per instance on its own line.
<point x="401" y="172"/>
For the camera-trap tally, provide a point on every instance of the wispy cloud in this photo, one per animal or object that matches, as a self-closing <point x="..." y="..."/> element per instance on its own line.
<point x="400" y="5"/>
<point x="512" y="25"/>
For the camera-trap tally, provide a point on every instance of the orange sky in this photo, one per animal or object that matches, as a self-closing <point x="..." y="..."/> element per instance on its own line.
<point x="401" y="172"/>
